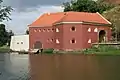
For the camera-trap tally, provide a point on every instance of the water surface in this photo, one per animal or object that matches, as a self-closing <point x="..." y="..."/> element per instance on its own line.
<point x="59" y="67"/>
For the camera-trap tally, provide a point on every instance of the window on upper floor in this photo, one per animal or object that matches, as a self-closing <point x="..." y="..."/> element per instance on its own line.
<point x="52" y="29"/>
<point x="73" y="28"/>
<point x="35" y="30"/>
<point x="43" y="30"/>
<point x="21" y="42"/>
<point x="48" y="30"/>
<point x="39" y="30"/>
<point x="57" y="30"/>
<point x="89" y="29"/>
<point x="96" y="30"/>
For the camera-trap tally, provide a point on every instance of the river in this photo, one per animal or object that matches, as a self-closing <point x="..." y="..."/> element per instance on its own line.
<point x="59" y="67"/>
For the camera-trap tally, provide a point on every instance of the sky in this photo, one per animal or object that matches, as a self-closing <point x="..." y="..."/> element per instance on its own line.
<point x="27" y="11"/>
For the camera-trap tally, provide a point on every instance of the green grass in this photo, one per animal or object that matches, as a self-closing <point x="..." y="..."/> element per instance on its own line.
<point x="103" y="50"/>
<point x="4" y="49"/>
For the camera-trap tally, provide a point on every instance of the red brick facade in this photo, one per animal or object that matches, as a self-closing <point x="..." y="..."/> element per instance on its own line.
<point x="68" y="35"/>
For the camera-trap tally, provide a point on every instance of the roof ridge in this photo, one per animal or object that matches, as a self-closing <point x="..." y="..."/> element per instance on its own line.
<point x="65" y="14"/>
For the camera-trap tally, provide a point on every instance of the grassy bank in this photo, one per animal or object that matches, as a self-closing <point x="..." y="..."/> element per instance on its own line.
<point x="4" y="49"/>
<point x="103" y="50"/>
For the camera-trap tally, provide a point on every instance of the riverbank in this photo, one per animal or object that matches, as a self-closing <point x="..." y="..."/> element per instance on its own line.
<point x="99" y="50"/>
<point x="103" y="50"/>
<point x="4" y="49"/>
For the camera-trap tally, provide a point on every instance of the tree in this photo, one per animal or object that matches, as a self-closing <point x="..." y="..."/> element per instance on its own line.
<point x="27" y="31"/>
<point x="4" y="15"/>
<point x="4" y="12"/>
<point x="9" y="34"/>
<point x="3" y="35"/>
<point x="113" y="15"/>
<point x="87" y="6"/>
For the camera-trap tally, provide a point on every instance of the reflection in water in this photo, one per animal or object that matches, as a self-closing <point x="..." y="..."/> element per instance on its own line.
<point x="74" y="67"/>
<point x="13" y="66"/>
<point x="59" y="67"/>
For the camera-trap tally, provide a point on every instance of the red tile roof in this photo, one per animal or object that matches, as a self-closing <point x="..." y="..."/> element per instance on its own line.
<point x="49" y="19"/>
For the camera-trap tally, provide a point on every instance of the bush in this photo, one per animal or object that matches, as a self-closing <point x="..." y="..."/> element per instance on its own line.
<point x="101" y="48"/>
<point x="49" y="51"/>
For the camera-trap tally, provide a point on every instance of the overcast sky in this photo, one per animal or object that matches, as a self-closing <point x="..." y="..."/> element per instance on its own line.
<point x="26" y="11"/>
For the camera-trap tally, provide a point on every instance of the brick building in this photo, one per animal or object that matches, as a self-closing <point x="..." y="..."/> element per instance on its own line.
<point x="68" y="30"/>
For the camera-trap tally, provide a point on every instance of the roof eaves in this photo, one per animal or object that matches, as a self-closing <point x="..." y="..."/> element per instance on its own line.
<point x="103" y="18"/>
<point x="96" y="23"/>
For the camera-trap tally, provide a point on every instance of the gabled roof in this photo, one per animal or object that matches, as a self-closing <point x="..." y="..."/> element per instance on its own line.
<point x="49" y="19"/>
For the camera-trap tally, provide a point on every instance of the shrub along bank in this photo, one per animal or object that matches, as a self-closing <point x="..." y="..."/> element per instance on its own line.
<point x="103" y="50"/>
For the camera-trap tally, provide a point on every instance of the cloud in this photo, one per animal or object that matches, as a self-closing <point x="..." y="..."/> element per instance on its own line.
<point x="26" y="11"/>
<point x="21" y="4"/>
<point x="20" y="20"/>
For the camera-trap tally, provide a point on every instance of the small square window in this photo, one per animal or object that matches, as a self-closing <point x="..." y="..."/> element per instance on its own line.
<point x="95" y="30"/>
<point x="72" y="41"/>
<point x="57" y="30"/>
<point x="89" y="29"/>
<point x="17" y="42"/>
<point x="21" y="42"/>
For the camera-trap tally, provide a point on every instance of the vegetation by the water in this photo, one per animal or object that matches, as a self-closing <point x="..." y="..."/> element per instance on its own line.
<point x="4" y="49"/>
<point x="103" y="50"/>
<point x="4" y="15"/>
<point x="48" y="51"/>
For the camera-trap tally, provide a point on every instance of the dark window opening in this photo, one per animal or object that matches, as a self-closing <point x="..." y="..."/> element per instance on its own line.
<point x="73" y="28"/>
<point x="21" y="42"/>
<point x="52" y="29"/>
<point x="102" y="35"/>
<point x="73" y="41"/>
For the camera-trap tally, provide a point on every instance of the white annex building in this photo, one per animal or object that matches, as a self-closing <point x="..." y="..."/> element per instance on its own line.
<point x="20" y="43"/>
